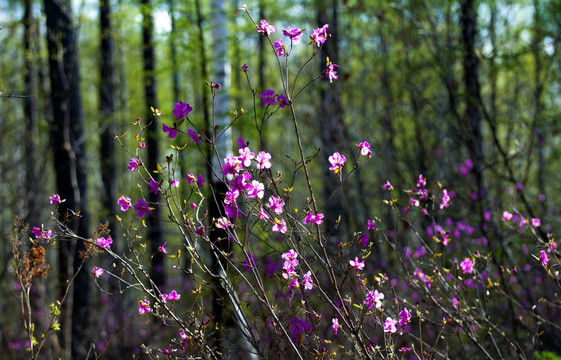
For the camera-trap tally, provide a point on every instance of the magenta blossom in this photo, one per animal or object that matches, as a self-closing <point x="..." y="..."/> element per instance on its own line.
<point x="144" y="307"/>
<point x="265" y="28"/>
<point x="279" y="48"/>
<point x="507" y="216"/>
<point x="374" y="298"/>
<point x="370" y="225"/>
<point x="268" y="97"/>
<point x="320" y="35"/>
<point x="193" y="135"/>
<point x="467" y="266"/>
<point x="173" y="296"/>
<point x="162" y="248"/>
<point x="97" y="272"/>
<point x="276" y="204"/>
<point x="181" y="110"/>
<point x="422" y="181"/>
<point x="445" y="199"/>
<point x="125" y="203"/>
<point x="294" y="34"/>
<point x="335" y="325"/>
<point x="307" y="281"/>
<point x="389" y="325"/>
<point x="337" y="162"/>
<point x="104" y="243"/>
<point x="387" y="186"/>
<point x="536" y="222"/>
<point x="279" y="226"/>
<point x="263" y="160"/>
<point x="364" y="148"/>
<point x="404" y="316"/>
<point x="223" y="223"/>
<point x="316" y="219"/>
<point x="332" y="72"/>
<point x="133" y="164"/>
<point x="544" y="259"/>
<point x="41" y="233"/>
<point x="357" y="264"/>
<point x="171" y="131"/>
<point x="282" y="100"/>
<point x="142" y="208"/>
<point x="154" y="186"/>
<point x="55" y="199"/>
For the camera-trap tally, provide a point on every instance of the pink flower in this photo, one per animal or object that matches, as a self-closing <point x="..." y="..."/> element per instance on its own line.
<point x="421" y="275"/>
<point x="174" y="183"/>
<point x="364" y="148"/>
<point x="263" y="160"/>
<point x="445" y="199"/>
<point x="232" y="165"/>
<point x="335" y="325"/>
<point x="320" y="35"/>
<point x="316" y="219"/>
<point x="370" y="225"/>
<point x="467" y="266"/>
<point x="41" y="233"/>
<point x="142" y="208"/>
<point x="544" y="259"/>
<point x="279" y="48"/>
<point x="268" y="97"/>
<point x="263" y="214"/>
<point x="173" y="296"/>
<point x="307" y="281"/>
<point x="162" y="248"/>
<point x="256" y="189"/>
<point x="294" y="34"/>
<point x="104" y="243"/>
<point x="154" y="186"/>
<point x="357" y="264"/>
<point x="190" y="178"/>
<point x="387" y="186"/>
<point x="279" y="226"/>
<point x="422" y="181"/>
<point x="133" y="164"/>
<point x="332" y="72"/>
<point x="97" y="272"/>
<point x="507" y="216"/>
<point x="536" y="222"/>
<point x="337" y="162"/>
<point x="171" y="131"/>
<point x="455" y="302"/>
<point x="125" y="203"/>
<point x="389" y="325"/>
<point x="144" y="307"/>
<point x="374" y="298"/>
<point x="223" y="223"/>
<point x="181" y="110"/>
<point x="246" y="156"/>
<point x="404" y="316"/>
<point x="55" y="199"/>
<point x="276" y="204"/>
<point x="265" y="28"/>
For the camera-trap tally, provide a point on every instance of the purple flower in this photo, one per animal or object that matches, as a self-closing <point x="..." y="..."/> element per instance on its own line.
<point x="265" y="28"/>
<point x="357" y="264"/>
<point x="374" y="298"/>
<point x="276" y="204"/>
<point x="364" y="239"/>
<point x="544" y="259"/>
<point x="335" y="325"/>
<point x="171" y="131"/>
<point x="364" y="148"/>
<point x="389" y="325"/>
<point x="282" y="100"/>
<point x="467" y="266"/>
<point x="193" y="135"/>
<point x="332" y="72"/>
<point x="279" y="48"/>
<point x="297" y="326"/>
<point x="320" y="35"/>
<point x="536" y="222"/>
<point x="142" y="208"/>
<point x="387" y="186"/>
<point x="370" y="225"/>
<point x="125" y="203"/>
<point x="263" y="160"/>
<point x="200" y="181"/>
<point x="268" y="97"/>
<point x="154" y="186"/>
<point x="144" y="307"/>
<point x="133" y="164"/>
<point x="104" y="243"/>
<point x="181" y="110"/>
<point x="55" y="199"/>
<point x="97" y="272"/>
<point x="337" y="162"/>
<point x="294" y="34"/>
<point x="173" y="296"/>
<point x="162" y="248"/>
<point x="404" y="316"/>
<point x="316" y="219"/>
<point x="250" y="262"/>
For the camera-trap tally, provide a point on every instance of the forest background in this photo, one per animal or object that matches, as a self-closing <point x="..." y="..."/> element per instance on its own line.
<point x="462" y="92"/>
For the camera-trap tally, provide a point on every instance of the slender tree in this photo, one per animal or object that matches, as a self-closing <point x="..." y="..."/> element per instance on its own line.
<point x="67" y="141"/>
<point x="151" y="100"/>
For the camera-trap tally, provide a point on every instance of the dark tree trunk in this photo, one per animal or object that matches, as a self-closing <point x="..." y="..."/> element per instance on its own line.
<point x="331" y="123"/>
<point x="68" y="143"/>
<point x="150" y="98"/>
<point x="30" y="113"/>
<point x="173" y="52"/>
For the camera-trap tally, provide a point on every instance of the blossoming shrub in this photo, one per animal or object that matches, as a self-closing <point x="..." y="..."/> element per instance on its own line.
<point x="435" y="289"/>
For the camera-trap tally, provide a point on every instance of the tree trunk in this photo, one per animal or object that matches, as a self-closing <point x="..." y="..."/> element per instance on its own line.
<point x="68" y="143"/>
<point x="150" y="98"/>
